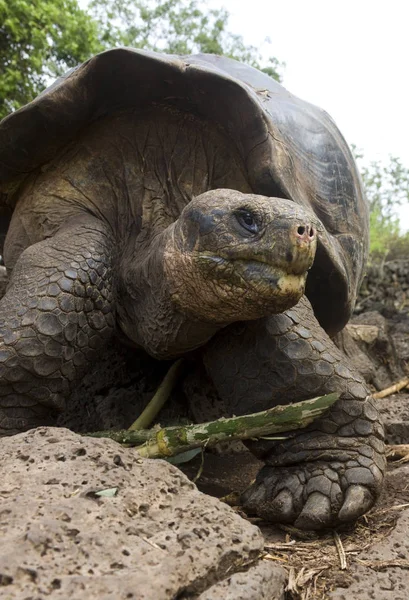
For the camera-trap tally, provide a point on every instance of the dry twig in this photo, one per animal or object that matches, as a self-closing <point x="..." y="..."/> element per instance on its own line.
<point x="390" y="508"/>
<point x="380" y="565"/>
<point x="299" y="584"/>
<point x="340" y="550"/>
<point x="398" y="453"/>
<point x="392" y="389"/>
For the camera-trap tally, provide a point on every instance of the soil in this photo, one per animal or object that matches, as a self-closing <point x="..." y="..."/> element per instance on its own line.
<point x="375" y="549"/>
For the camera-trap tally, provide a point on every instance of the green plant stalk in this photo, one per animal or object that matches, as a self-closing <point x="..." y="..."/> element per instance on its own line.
<point x="162" y="394"/>
<point x="169" y="441"/>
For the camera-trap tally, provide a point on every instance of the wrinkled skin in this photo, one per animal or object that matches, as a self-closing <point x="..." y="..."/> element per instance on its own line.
<point x="121" y="233"/>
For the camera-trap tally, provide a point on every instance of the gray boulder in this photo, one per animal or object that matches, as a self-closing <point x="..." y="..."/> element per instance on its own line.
<point x="156" y="538"/>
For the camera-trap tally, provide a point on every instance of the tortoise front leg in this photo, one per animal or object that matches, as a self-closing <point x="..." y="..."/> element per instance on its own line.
<point x="56" y="315"/>
<point x="328" y="473"/>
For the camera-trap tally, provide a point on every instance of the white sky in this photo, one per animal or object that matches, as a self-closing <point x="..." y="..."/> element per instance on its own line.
<point x="351" y="57"/>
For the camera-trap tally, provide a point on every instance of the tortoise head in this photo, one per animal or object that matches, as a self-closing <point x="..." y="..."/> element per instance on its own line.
<point x="236" y="256"/>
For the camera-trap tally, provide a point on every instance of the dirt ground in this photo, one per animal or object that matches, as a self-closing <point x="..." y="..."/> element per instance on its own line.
<point x="367" y="561"/>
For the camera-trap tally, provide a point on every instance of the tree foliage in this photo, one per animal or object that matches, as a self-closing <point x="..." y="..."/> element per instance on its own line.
<point x="387" y="188"/>
<point x="40" y="39"/>
<point x="174" y="27"/>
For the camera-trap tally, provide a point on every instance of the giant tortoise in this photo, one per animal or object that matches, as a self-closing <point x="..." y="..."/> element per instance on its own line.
<point x="178" y="202"/>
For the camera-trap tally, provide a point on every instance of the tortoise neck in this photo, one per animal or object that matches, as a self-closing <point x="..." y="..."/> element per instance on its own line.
<point x="147" y="313"/>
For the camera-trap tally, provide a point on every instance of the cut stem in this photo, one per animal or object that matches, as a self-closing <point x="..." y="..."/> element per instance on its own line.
<point x="168" y="441"/>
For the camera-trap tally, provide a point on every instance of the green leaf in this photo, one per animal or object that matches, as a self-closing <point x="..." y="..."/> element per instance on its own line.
<point x="184" y="457"/>
<point x="107" y="493"/>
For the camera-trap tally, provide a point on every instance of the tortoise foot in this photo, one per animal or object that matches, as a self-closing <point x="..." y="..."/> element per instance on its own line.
<point x="313" y="495"/>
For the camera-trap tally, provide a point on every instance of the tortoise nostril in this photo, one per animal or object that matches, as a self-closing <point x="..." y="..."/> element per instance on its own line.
<point x="305" y="232"/>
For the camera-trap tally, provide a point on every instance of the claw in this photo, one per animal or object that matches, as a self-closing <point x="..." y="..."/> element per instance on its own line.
<point x="254" y="497"/>
<point x="358" y="499"/>
<point x="281" y="508"/>
<point x="316" y="513"/>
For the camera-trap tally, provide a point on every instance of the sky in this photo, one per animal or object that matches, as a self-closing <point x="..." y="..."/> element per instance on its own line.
<point x="350" y="57"/>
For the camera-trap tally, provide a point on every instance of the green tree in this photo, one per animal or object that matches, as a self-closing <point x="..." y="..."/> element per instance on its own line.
<point x="387" y="188"/>
<point x="174" y="27"/>
<point x="39" y="39"/>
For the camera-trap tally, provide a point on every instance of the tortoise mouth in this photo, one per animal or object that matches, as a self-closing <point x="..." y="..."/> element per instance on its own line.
<point x="270" y="281"/>
<point x="255" y="270"/>
<point x="259" y="271"/>
<point x="220" y="289"/>
<point x="259" y="287"/>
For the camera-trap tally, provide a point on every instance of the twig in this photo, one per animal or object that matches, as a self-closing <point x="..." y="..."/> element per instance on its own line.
<point x="295" y="545"/>
<point x="275" y="558"/>
<point x="169" y="441"/>
<point x="152" y="544"/>
<point x="292" y="582"/>
<point x="162" y="394"/>
<point x="398" y="452"/>
<point x="380" y="565"/>
<point x="302" y="534"/>
<point x="391" y="508"/>
<point x="296" y="581"/>
<point x="392" y="389"/>
<point x="340" y="550"/>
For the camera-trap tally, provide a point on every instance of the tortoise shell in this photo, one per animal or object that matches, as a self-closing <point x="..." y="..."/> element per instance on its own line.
<point x="291" y="149"/>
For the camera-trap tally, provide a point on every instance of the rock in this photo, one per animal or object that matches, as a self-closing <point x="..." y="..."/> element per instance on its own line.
<point x="153" y="536"/>
<point x="380" y="348"/>
<point x="387" y="582"/>
<point x="385" y="288"/>
<point x="399" y="330"/>
<point x="264" y="580"/>
<point x="368" y="334"/>
<point x="383" y="573"/>
<point x="368" y="342"/>
<point x="3" y="280"/>
<point x="394" y="412"/>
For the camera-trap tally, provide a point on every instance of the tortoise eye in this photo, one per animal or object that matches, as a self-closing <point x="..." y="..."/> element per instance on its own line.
<point x="247" y="220"/>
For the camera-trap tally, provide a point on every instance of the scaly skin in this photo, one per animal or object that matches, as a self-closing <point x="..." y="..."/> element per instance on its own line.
<point x="56" y="315"/>
<point x="58" y="311"/>
<point x="330" y="472"/>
